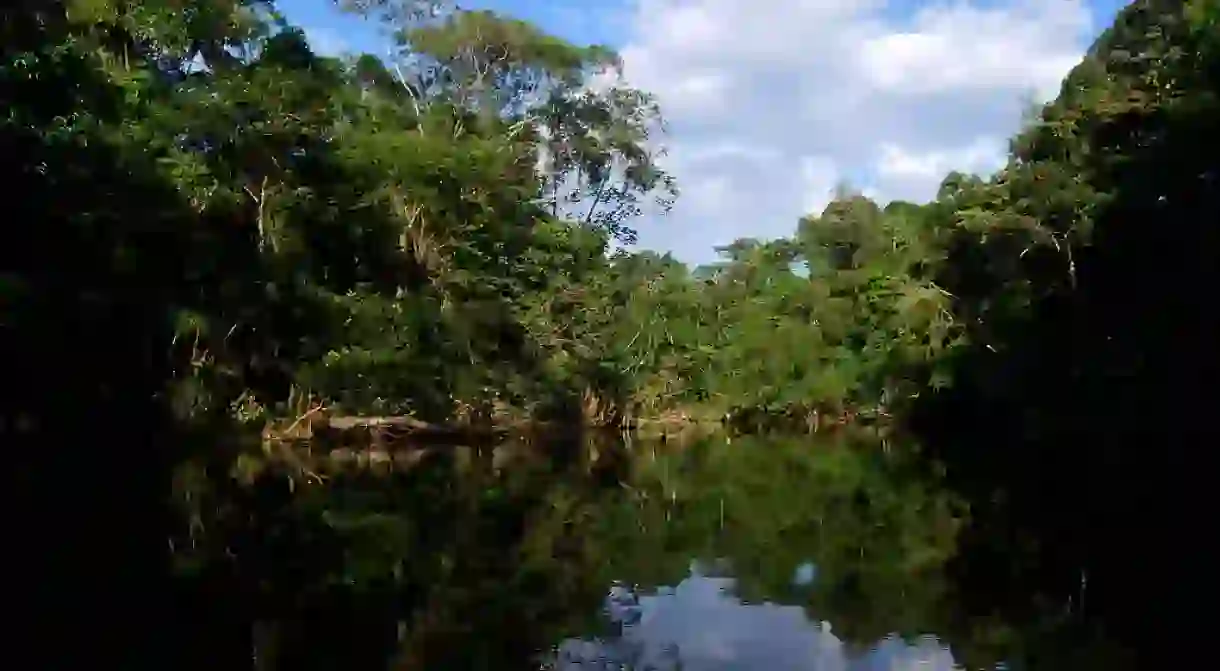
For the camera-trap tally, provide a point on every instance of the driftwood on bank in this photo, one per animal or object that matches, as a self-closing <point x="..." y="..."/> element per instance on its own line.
<point x="354" y="430"/>
<point x="405" y="432"/>
<point x="317" y="445"/>
<point x="372" y="440"/>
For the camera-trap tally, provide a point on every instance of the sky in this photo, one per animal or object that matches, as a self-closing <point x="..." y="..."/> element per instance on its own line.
<point x="772" y="104"/>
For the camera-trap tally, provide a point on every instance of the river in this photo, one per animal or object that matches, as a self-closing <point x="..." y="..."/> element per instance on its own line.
<point x="757" y="553"/>
<point x="775" y="554"/>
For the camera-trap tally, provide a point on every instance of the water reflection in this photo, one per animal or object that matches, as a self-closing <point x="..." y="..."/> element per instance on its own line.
<point x="757" y="554"/>
<point x="806" y="555"/>
<point x="700" y="626"/>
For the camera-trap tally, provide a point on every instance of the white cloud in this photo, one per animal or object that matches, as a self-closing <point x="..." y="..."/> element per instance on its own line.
<point x="773" y="102"/>
<point x="910" y="174"/>
<point x="819" y="178"/>
<point x="696" y="91"/>
<point x="327" y="42"/>
<point x="731" y="148"/>
<point x="962" y="48"/>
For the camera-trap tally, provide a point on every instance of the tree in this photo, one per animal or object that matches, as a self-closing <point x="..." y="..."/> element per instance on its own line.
<point x="596" y="138"/>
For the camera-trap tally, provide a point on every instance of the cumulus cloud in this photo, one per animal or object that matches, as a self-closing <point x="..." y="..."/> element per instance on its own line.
<point x="327" y="42"/>
<point x="772" y="103"/>
<point x="819" y="179"/>
<point x="910" y="172"/>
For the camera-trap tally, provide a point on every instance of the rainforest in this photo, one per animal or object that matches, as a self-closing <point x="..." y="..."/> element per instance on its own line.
<point x="350" y="362"/>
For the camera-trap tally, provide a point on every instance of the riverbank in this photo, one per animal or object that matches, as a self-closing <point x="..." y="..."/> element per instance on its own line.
<point x="322" y="426"/>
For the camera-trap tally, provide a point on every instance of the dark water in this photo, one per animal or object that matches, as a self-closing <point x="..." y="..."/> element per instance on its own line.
<point x="753" y="554"/>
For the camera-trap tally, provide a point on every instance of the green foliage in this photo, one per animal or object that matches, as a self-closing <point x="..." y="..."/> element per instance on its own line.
<point x="217" y="227"/>
<point x="842" y="317"/>
<point x="765" y="506"/>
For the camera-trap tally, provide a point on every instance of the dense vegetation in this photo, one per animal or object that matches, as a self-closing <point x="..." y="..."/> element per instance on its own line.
<point x="215" y="227"/>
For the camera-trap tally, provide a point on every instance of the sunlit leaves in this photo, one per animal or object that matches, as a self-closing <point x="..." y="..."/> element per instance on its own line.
<point x="595" y="140"/>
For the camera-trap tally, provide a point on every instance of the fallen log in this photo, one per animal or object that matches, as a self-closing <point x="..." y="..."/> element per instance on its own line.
<point x="362" y="430"/>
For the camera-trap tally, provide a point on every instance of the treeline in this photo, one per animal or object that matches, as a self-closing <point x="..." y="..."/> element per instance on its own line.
<point x="214" y="225"/>
<point x="377" y="235"/>
<point x="423" y="235"/>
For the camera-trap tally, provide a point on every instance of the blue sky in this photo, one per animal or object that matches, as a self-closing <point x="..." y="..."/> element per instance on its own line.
<point x="772" y="103"/>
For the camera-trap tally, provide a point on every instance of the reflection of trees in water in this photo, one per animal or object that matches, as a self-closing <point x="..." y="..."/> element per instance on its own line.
<point x="461" y="561"/>
<point x="750" y="516"/>
<point x="763" y="508"/>
<point x="881" y="537"/>
<point x="468" y="561"/>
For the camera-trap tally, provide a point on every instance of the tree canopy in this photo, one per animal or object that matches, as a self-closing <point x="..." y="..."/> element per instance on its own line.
<point x="218" y="230"/>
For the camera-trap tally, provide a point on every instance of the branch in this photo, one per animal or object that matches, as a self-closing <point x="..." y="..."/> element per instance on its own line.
<point x="261" y="200"/>
<point x="410" y="92"/>
<point x="601" y="188"/>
